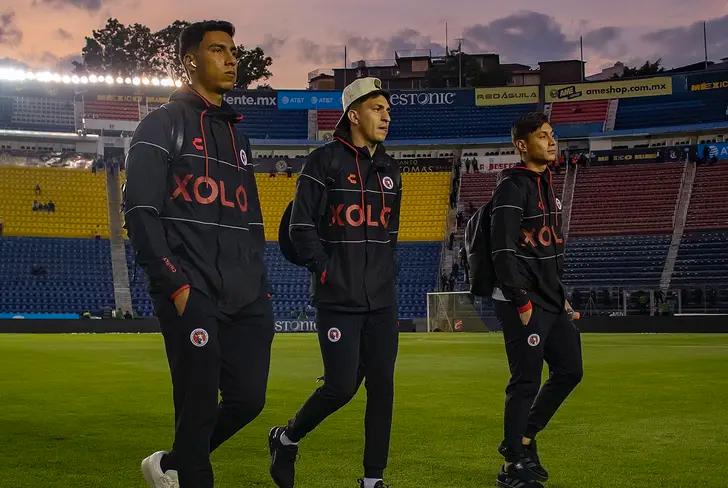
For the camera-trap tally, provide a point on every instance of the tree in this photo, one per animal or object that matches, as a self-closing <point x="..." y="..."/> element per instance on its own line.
<point x="168" y="49"/>
<point x="253" y="65"/>
<point x="646" y="69"/>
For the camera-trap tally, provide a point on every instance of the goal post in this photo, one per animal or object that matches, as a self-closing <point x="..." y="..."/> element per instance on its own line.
<point x="459" y="311"/>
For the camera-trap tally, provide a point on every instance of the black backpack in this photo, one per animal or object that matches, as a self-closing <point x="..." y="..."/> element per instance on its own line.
<point x="480" y="259"/>
<point x="284" y="238"/>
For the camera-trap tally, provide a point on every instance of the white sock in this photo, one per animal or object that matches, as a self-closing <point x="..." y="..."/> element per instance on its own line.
<point x="286" y="441"/>
<point x="370" y="482"/>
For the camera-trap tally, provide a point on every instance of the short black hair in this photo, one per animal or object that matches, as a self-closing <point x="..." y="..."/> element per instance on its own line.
<point x="528" y="124"/>
<point x="192" y="35"/>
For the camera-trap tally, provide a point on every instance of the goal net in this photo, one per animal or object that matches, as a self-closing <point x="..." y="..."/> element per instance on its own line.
<point x="459" y="311"/>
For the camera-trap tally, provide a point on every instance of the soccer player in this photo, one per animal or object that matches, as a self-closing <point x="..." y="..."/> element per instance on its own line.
<point x="194" y="219"/>
<point x="530" y="300"/>
<point x="350" y="250"/>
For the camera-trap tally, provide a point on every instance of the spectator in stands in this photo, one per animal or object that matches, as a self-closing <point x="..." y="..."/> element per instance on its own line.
<point x="127" y="315"/>
<point x="36" y="205"/>
<point x="37" y="190"/>
<point x="471" y="209"/>
<point x="451" y="241"/>
<point x="451" y="282"/>
<point x="443" y="282"/>
<point x="476" y="166"/>
<point x="289" y="171"/>
<point x="459" y="219"/>
<point x="210" y="289"/>
<point x="464" y="263"/>
<point x="455" y="269"/>
<point x="51" y="206"/>
<point x="467" y="165"/>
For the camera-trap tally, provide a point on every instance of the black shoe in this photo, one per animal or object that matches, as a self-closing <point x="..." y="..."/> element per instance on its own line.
<point x="508" y="478"/>
<point x="535" y="465"/>
<point x="282" y="459"/>
<point x="378" y="484"/>
<point x="522" y="465"/>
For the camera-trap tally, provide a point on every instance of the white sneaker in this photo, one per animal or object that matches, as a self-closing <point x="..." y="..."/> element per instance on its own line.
<point x="153" y="475"/>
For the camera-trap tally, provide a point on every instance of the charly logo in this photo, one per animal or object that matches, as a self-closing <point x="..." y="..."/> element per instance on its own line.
<point x="334" y="334"/>
<point x="243" y="157"/>
<point x="558" y="204"/>
<point x="534" y="340"/>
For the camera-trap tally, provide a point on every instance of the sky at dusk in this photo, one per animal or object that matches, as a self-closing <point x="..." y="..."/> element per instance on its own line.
<point x="305" y="35"/>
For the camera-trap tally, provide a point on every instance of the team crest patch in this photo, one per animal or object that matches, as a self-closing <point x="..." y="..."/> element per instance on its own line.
<point x="558" y="204"/>
<point x="334" y="334"/>
<point x="199" y="337"/>
<point x="534" y="340"/>
<point x="387" y="182"/>
<point x="243" y="157"/>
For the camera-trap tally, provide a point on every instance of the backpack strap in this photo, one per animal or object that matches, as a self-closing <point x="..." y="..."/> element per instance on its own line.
<point x="176" y="116"/>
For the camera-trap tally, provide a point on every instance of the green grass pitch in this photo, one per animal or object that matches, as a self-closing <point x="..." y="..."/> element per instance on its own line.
<point x="81" y="411"/>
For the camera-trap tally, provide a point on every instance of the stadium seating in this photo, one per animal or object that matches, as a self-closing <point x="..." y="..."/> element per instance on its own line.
<point x="676" y="109"/>
<point x="709" y="201"/>
<point x="111" y="110"/>
<point x="327" y="119"/>
<point x="625" y="199"/>
<point x="439" y="122"/>
<point x="702" y="259"/>
<point x="579" y="112"/>
<point x="76" y="277"/>
<point x="615" y="260"/>
<point x="79" y="197"/>
<point x="274" y="193"/>
<point x="37" y="113"/>
<point x="271" y="123"/>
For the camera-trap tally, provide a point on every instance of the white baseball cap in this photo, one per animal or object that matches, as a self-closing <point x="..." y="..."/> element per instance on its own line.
<point x="359" y="89"/>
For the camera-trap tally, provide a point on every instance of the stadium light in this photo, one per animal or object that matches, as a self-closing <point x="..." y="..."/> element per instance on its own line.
<point x="13" y="74"/>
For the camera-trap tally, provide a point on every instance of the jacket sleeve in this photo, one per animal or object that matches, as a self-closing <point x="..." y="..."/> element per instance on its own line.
<point x="256" y="213"/>
<point x="505" y="232"/>
<point x="303" y="230"/>
<point x="145" y="191"/>
<point x="394" y="218"/>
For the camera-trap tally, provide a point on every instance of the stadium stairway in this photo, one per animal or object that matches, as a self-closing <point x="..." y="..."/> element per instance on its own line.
<point x="122" y="293"/>
<point x="680" y="219"/>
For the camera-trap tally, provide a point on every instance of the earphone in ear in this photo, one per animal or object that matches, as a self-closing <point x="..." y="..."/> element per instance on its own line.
<point x="193" y="64"/>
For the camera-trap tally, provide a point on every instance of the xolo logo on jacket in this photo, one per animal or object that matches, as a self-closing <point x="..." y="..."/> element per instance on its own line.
<point x="334" y="334"/>
<point x="199" y="337"/>
<point x="544" y="237"/>
<point x="353" y="215"/>
<point x="197" y="142"/>
<point x="205" y="191"/>
<point x="534" y="340"/>
<point x="387" y="182"/>
<point x="351" y="178"/>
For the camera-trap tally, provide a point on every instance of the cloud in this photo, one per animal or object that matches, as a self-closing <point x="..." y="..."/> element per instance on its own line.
<point x="684" y="45"/>
<point x="10" y="33"/>
<point x="600" y="37"/>
<point x="370" y="48"/>
<point x="63" y="34"/>
<point x="90" y="5"/>
<point x="524" y="37"/>
<point x="272" y="46"/>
